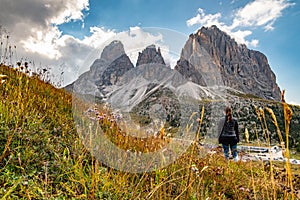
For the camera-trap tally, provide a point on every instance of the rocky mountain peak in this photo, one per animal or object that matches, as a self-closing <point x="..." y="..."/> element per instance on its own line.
<point x="112" y="51"/>
<point x="150" y="55"/>
<point x="239" y="67"/>
<point x="106" y="71"/>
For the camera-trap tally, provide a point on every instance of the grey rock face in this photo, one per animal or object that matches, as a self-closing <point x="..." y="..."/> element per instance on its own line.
<point x="212" y="52"/>
<point x="112" y="51"/>
<point x="150" y="55"/>
<point x="115" y="70"/>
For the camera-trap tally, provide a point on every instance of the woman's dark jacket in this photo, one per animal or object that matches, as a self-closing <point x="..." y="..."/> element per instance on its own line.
<point x="228" y="132"/>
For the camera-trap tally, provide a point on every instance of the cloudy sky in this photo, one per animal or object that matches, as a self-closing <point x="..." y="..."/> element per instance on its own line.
<point x="67" y="34"/>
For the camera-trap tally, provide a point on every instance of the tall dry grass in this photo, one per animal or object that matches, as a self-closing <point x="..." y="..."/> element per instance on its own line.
<point x="288" y="176"/>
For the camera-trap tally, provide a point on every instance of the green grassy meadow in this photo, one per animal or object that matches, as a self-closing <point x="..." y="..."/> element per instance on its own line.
<point x="43" y="157"/>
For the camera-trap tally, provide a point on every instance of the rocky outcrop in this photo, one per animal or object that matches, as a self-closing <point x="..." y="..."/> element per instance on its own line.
<point x="150" y="55"/>
<point x="214" y="54"/>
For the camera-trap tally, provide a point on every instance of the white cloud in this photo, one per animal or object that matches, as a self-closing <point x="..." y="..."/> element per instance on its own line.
<point x="33" y="28"/>
<point x="269" y="27"/>
<point x="205" y="19"/>
<point x="170" y="57"/>
<point x="69" y="10"/>
<point x="258" y="13"/>
<point x="43" y="42"/>
<point x="240" y="36"/>
<point x="254" y="42"/>
<point x="99" y="35"/>
<point x="46" y="40"/>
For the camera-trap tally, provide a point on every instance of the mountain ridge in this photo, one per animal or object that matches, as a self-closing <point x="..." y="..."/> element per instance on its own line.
<point x="209" y="58"/>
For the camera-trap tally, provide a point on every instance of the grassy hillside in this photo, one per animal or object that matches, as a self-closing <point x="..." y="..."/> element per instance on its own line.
<point x="42" y="157"/>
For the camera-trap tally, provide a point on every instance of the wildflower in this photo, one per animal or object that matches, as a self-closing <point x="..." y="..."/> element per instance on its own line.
<point x="99" y="117"/>
<point x="242" y="189"/>
<point x="90" y="110"/>
<point x="93" y="118"/>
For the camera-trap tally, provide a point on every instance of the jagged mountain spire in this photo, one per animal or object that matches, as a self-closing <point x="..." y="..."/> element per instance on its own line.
<point x="150" y="55"/>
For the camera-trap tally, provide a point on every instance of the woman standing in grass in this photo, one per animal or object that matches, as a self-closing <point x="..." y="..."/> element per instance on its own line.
<point x="229" y="134"/>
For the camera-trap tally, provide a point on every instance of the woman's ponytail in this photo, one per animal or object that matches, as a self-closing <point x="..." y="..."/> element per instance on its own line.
<point x="228" y="112"/>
